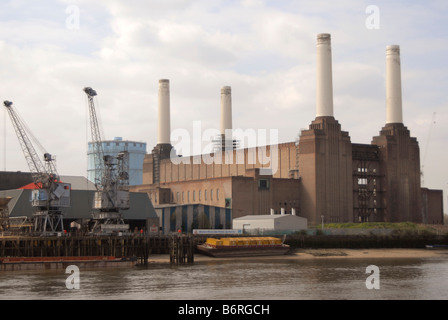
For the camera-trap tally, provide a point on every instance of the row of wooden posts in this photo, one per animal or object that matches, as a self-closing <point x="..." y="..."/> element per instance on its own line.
<point x="180" y="247"/>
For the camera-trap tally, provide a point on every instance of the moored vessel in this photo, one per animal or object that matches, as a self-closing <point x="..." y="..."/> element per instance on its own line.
<point x="45" y="263"/>
<point x="244" y="246"/>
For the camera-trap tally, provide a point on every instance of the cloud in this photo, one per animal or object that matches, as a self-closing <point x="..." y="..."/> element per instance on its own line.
<point x="264" y="50"/>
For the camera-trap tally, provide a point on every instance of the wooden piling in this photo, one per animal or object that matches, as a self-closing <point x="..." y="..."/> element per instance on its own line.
<point x="139" y="246"/>
<point x="181" y="249"/>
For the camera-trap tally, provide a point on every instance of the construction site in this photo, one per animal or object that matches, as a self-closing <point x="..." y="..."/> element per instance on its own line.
<point x="322" y="177"/>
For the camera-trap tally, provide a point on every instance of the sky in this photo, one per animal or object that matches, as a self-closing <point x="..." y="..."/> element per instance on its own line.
<point x="265" y="50"/>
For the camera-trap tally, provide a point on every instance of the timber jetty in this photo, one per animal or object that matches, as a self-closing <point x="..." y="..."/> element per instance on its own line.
<point x="139" y="247"/>
<point x="180" y="247"/>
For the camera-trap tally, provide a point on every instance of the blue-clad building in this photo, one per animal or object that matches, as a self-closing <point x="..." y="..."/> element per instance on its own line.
<point x="136" y="150"/>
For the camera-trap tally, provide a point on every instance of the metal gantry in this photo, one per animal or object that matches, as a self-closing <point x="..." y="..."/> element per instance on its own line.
<point x="50" y="194"/>
<point x="111" y="179"/>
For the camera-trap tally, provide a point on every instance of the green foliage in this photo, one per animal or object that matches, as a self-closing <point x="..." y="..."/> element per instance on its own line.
<point x="375" y="225"/>
<point x="397" y="227"/>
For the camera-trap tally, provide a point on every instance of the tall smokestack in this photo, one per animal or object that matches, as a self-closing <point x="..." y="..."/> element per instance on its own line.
<point x="225" y="140"/>
<point x="324" y="86"/>
<point x="164" y="129"/>
<point x="394" y="112"/>
<point x="226" y="109"/>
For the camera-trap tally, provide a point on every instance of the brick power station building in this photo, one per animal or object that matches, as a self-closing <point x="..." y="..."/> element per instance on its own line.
<point x="322" y="176"/>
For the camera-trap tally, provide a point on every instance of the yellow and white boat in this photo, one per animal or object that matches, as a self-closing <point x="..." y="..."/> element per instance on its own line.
<point x="243" y="246"/>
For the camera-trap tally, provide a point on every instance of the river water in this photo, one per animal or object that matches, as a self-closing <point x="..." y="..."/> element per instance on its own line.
<point x="260" y="279"/>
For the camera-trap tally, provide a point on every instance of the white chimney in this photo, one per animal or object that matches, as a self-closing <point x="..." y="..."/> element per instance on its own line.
<point x="394" y="112"/>
<point x="164" y="129"/>
<point x="226" y="109"/>
<point x="282" y="211"/>
<point x="324" y="85"/>
<point x="272" y="212"/>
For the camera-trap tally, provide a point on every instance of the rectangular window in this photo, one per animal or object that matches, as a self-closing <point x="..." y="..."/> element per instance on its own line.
<point x="362" y="181"/>
<point x="263" y="184"/>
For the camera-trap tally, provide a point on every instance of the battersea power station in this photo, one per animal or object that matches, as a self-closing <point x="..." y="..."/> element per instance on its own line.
<point x="321" y="176"/>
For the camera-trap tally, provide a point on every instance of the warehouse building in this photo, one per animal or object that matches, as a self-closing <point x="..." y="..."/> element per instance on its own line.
<point x="262" y="224"/>
<point x="141" y="214"/>
<point x="186" y="218"/>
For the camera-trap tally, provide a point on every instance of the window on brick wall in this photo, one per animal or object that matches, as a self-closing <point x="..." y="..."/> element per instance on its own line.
<point x="263" y="184"/>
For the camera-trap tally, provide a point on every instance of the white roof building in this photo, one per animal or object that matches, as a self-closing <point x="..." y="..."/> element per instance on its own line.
<point x="274" y="222"/>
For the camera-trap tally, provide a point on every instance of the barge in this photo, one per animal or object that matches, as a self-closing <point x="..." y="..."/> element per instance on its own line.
<point x="46" y="263"/>
<point x="243" y="247"/>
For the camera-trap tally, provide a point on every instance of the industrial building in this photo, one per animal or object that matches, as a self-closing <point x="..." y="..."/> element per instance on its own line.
<point x="257" y="224"/>
<point x="140" y="215"/>
<point x="135" y="149"/>
<point x="322" y="176"/>
<point x="192" y="216"/>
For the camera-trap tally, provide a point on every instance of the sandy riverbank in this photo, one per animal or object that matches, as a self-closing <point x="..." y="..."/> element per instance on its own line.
<point x="304" y="254"/>
<point x="368" y="253"/>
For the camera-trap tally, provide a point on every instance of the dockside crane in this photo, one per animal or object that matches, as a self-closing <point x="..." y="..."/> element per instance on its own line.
<point x="111" y="179"/>
<point x="50" y="194"/>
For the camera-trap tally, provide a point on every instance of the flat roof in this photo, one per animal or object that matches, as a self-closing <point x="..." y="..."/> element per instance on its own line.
<point x="266" y="217"/>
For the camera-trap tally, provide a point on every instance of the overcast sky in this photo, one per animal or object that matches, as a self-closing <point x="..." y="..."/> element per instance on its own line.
<point x="265" y="50"/>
